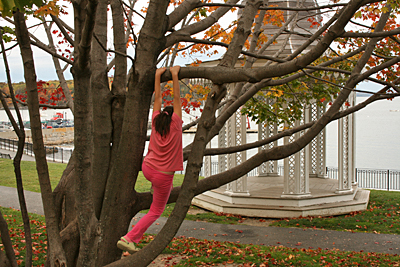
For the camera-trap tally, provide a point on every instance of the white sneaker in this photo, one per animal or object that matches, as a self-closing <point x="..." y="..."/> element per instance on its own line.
<point x="123" y="244"/>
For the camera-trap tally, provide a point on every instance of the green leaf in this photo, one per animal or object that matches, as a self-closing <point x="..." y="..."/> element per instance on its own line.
<point x="358" y="14"/>
<point x="6" y="7"/>
<point x="203" y="12"/>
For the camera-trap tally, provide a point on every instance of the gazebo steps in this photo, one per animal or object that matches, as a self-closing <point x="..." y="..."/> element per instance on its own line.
<point x="320" y="206"/>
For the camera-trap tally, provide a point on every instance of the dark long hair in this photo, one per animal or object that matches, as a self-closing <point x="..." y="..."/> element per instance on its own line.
<point x="163" y="120"/>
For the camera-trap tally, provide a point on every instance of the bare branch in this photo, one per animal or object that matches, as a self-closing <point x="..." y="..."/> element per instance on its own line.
<point x="128" y="18"/>
<point x="47" y="49"/>
<point x="132" y="9"/>
<point x="275" y="8"/>
<point x="9" y="48"/>
<point x="112" y="51"/>
<point x="60" y="25"/>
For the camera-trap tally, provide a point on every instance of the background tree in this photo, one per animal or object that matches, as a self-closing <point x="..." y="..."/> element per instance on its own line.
<point x="96" y="196"/>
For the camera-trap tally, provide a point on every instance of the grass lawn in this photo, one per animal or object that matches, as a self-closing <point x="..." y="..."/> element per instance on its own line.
<point x="17" y="234"/>
<point x="29" y="174"/>
<point x="195" y="252"/>
<point x="382" y="216"/>
<point x="208" y="252"/>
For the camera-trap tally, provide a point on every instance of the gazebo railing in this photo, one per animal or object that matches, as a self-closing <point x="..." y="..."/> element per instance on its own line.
<point x="53" y="153"/>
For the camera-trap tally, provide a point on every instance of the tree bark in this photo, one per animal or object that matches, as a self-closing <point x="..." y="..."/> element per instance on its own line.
<point x="19" y="130"/>
<point x="4" y="260"/>
<point x="89" y="230"/>
<point x="57" y="256"/>
<point x="118" y="88"/>
<point x="9" y="258"/>
<point x="101" y="109"/>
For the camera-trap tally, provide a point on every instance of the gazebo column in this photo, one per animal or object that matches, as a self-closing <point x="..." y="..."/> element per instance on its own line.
<point x="236" y="135"/>
<point x="296" y="168"/>
<point x="346" y="175"/>
<point x="352" y="101"/>
<point x="265" y="130"/>
<point x="222" y="142"/>
<point x="207" y="163"/>
<point x="318" y="145"/>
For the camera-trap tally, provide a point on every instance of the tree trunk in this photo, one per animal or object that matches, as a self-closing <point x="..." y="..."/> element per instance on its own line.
<point x="64" y="199"/>
<point x="85" y="14"/>
<point x="19" y="130"/>
<point x="119" y="85"/>
<point x="57" y="257"/>
<point x="4" y="260"/>
<point x="101" y="99"/>
<point x="9" y="256"/>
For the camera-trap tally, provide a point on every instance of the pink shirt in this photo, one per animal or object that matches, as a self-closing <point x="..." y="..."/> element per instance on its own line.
<point x="165" y="153"/>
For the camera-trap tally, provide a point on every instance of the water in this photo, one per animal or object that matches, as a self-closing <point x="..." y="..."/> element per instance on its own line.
<point x="377" y="130"/>
<point x="377" y="136"/>
<point x="44" y="114"/>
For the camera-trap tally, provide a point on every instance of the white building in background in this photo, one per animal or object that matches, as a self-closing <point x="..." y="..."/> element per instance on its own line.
<point x="303" y="189"/>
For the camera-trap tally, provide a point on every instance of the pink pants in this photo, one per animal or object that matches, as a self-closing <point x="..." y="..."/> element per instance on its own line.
<point x="162" y="185"/>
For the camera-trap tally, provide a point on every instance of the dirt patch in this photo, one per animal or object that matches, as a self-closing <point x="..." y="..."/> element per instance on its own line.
<point x="257" y="222"/>
<point x="263" y="222"/>
<point x="166" y="260"/>
<point x="195" y="211"/>
<point x="171" y="260"/>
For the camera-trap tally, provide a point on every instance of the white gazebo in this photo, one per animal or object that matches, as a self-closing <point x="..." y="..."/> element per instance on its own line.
<point x="303" y="189"/>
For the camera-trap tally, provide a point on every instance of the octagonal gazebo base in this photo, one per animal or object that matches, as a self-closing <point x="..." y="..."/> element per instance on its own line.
<point x="265" y="199"/>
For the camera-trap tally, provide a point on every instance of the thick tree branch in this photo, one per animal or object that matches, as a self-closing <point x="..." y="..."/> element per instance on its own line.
<point x="375" y="34"/>
<point x="199" y="26"/>
<point x="181" y="12"/>
<point x="255" y="55"/>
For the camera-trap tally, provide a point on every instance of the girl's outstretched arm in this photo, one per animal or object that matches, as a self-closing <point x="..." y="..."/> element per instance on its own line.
<point x="157" y="90"/>
<point x="176" y="89"/>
